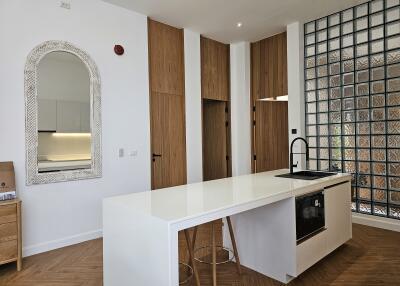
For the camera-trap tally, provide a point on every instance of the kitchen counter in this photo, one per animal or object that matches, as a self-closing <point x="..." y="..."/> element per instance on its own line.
<point x="141" y="229"/>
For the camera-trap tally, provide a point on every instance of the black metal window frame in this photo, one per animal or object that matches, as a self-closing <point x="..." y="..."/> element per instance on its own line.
<point x="352" y="98"/>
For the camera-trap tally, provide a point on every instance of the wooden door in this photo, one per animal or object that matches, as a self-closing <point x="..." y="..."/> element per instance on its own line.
<point x="271" y="135"/>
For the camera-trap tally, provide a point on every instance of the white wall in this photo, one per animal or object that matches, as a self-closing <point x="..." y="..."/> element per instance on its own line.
<point x="240" y="108"/>
<point x="296" y="87"/>
<point x="194" y="149"/>
<point x="58" y="214"/>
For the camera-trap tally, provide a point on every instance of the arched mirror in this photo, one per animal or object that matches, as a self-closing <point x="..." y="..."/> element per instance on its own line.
<point x="63" y="134"/>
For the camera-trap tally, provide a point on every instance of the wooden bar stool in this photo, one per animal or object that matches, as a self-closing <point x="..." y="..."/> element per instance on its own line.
<point x="191" y="265"/>
<point x="213" y="246"/>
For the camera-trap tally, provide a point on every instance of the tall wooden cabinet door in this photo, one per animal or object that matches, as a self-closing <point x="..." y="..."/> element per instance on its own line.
<point x="168" y="140"/>
<point x="271" y="135"/>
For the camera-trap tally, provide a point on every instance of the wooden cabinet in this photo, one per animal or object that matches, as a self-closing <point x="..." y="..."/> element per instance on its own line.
<point x="10" y="233"/>
<point x="215" y="70"/>
<point x="47" y="115"/>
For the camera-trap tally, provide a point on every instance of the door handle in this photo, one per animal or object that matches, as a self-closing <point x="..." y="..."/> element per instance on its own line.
<point x="156" y="155"/>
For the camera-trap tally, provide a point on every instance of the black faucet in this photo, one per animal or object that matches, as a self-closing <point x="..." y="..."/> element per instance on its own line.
<point x="291" y="153"/>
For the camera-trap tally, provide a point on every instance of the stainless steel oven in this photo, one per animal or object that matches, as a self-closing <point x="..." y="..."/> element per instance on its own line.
<point x="310" y="215"/>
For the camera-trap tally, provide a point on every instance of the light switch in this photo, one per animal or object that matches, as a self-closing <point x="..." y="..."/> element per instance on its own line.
<point x="121" y="152"/>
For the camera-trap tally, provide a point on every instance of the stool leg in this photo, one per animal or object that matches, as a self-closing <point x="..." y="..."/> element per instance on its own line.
<point x="191" y="257"/>
<point x="214" y="255"/>
<point x="235" y="252"/>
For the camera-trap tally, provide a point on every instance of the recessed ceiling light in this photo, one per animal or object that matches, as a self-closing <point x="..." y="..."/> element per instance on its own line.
<point x="239" y="24"/>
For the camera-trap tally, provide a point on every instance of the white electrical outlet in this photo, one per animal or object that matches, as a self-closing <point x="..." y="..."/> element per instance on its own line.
<point x="133" y="153"/>
<point x="65" y="5"/>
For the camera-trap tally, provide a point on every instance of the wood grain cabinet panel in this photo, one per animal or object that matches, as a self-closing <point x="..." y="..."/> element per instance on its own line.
<point x="8" y="213"/>
<point x="8" y="231"/>
<point x="8" y="251"/>
<point x="215" y="70"/>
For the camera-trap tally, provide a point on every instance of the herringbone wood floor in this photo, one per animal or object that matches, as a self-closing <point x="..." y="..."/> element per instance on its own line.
<point x="371" y="258"/>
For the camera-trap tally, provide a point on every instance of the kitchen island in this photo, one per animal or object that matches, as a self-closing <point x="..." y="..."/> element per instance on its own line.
<point x="140" y="230"/>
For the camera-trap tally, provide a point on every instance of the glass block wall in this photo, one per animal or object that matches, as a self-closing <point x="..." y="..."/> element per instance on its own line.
<point x="352" y="86"/>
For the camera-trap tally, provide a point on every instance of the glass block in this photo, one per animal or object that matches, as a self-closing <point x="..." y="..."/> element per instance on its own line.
<point x="363" y="128"/>
<point x="336" y="166"/>
<point x="394" y="141"/>
<point x="310" y="27"/>
<point x="380" y="195"/>
<point x="362" y="89"/>
<point x="349" y="141"/>
<point x="379" y="182"/>
<point x="377" y="73"/>
<point x="378" y="87"/>
<point x="377" y="46"/>
<point x="349" y="167"/>
<point x="394" y="183"/>
<point x="378" y="127"/>
<point x="334" y="80"/>
<point x="393" y="99"/>
<point x="362" y="50"/>
<point x="379" y="168"/>
<point x="393" y="42"/>
<point x="394" y="169"/>
<point x="334" y="68"/>
<point x="310" y="84"/>
<point x="312" y="142"/>
<point x="323" y="130"/>
<point x="310" y="39"/>
<point x="324" y="165"/>
<point x="310" y="51"/>
<point x="335" y="93"/>
<point x="362" y="63"/>
<point x="349" y="129"/>
<point x="322" y="48"/>
<point x="393" y="84"/>
<point x="378" y="141"/>
<point x="313" y="152"/>
<point x="324" y="153"/>
<point x="391" y="3"/>
<point x="334" y="56"/>
<point x="361" y="10"/>
<point x="311" y="96"/>
<point x="364" y="167"/>
<point x="311" y="119"/>
<point x="347" y="15"/>
<point x="348" y="78"/>
<point x="312" y="130"/>
<point x="323" y="142"/>
<point x="322" y="36"/>
<point x="380" y="210"/>
<point x="335" y="105"/>
<point x="364" y="194"/>
<point x="312" y="164"/>
<point x="336" y="141"/>
<point x="363" y="155"/>
<point x="322" y="23"/>
<point x="393" y="14"/>
<point x="348" y="103"/>
<point x="377" y="60"/>
<point x="348" y="116"/>
<point x="364" y="208"/>
<point x="335" y="117"/>
<point x="322" y="59"/>
<point x="349" y="154"/>
<point x="394" y="155"/>
<point x="347" y="41"/>
<point x="364" y="181"/>
<point x="311" y="107"/>
<point x="378" y="100"/>
<point x="378" y="155"/>
<point x="334" y="32"/>
<point x="336" y="129"/>
<point x="376" y="19"/>
<point x="347" y="28"/>
<point x="348" y="66"/>
<point x="394" y="212"/>
<point x="394" y="127"/>
<point x="348" y="91"/>
<point x="376" y="6"/>
<point x="363" y="115"/>
<point x="347" y="53"/>
<point x="310" y="73"/>
<point x="323" y="106"/>
<point x="362" y="37"/>
<point x="363" y="141"/>
<point x="362" y="76"/>
<point x="322" y="71"/>
<point x="392" y="29"/>
<point x="393" y="70"/>
<point x="393" y="57"/>
<point x="376" y="33"/>
<point x="334" y="44"/>
<point x="323" y="94"/>
<point x="393" y="113"/>
<point x="310" y="62"/>
<point x="334" y="19"/>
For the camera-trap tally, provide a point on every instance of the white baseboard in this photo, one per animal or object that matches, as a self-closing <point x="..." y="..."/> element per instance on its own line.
<point x="375" y="221"/>
<point x="59" y="243"/>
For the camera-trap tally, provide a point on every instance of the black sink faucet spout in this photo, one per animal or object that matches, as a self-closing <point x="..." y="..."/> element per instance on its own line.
<point x="291" y="153"/>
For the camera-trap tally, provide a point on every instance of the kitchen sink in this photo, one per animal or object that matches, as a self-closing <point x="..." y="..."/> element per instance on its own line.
<point x="306" y="175"/>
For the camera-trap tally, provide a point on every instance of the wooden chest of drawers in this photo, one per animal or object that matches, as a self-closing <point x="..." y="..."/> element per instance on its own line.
<point x="10" y="232"/>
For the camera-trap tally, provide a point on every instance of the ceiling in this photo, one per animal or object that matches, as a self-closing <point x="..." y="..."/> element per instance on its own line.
<point x="217" y="19"/>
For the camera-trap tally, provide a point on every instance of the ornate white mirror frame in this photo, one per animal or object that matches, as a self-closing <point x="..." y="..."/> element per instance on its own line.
<point x="31" y="116"/>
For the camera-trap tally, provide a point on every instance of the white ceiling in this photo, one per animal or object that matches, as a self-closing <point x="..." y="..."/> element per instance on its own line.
<point x="217" y="19"/>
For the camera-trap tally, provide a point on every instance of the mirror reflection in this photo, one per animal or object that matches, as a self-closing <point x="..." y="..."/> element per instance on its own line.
<point x="64" y="133"/>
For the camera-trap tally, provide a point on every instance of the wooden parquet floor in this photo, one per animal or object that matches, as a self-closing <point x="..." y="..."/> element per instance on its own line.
<point x="371" y="258"/>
